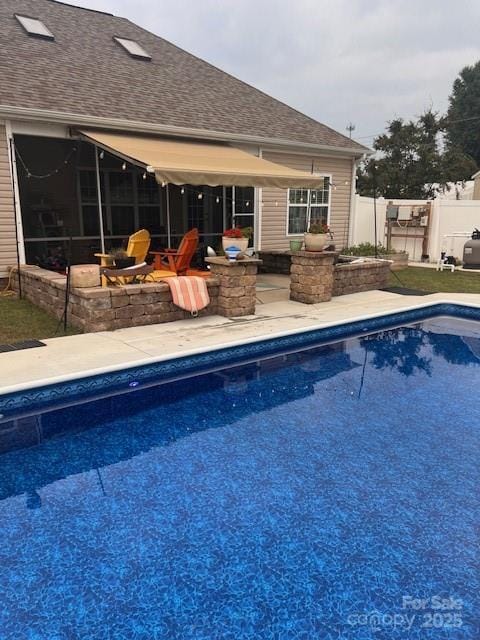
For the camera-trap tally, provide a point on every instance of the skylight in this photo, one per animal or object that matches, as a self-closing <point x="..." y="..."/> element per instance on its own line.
<point x="133" y="48"/>
<point x="35" y="27"/>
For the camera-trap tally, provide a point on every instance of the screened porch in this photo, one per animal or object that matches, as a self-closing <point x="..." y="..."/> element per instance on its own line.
<point x="60" y="194"/>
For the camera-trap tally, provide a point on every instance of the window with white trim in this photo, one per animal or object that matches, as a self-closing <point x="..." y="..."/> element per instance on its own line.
<point x="308" y="206"/>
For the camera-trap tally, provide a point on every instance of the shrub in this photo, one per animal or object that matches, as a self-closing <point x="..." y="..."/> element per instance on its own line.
<point x="367" y="249"/>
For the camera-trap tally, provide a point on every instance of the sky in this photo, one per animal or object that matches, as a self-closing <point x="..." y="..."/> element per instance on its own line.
<point x="363" y="62"/>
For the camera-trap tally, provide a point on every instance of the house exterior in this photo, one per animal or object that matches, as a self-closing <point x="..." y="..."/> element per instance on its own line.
<point x="73" y="77"/>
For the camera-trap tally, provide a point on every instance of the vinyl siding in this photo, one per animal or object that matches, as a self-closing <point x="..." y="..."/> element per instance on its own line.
<point x="274" y="201"/>
<point x="8" y="256"/>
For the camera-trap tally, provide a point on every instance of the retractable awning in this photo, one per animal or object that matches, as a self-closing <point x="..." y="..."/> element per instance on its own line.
<point x="178" y="162"/>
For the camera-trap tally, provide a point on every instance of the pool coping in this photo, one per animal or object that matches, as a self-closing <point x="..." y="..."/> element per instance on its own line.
<point x="189" y="362"/>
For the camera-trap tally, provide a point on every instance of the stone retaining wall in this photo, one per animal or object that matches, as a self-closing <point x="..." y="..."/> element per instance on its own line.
<point x="275" y="262"/>
<point x="347" y="277"/>
<point x="361" y="276"/>
<point x="232" y="289"/>
<point x="107" y="308"/>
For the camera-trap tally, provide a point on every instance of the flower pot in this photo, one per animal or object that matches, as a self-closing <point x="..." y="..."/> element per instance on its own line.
<point x="240" y="243"/>
<point x="124" y="263"/>
<point x="296" y="245"/>
<point x="316" y="241"/>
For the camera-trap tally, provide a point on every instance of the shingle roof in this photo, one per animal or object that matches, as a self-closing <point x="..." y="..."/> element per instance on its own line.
<point x="83" y="71"/>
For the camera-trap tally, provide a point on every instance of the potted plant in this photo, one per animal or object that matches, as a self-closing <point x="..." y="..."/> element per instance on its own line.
<point x="296" y="245"/>
<point x="247" y="232"/>
<point x="235" y="237"/>
<point x="317" y="237"/>
<point x="121" y="259"/>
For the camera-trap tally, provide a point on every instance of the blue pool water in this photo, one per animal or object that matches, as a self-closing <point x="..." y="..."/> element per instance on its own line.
<point x="329" y="493"/>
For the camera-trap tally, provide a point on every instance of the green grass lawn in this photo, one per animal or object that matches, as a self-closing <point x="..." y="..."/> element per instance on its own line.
<point x="436" y="281"/>
<point x="21" y="320"/>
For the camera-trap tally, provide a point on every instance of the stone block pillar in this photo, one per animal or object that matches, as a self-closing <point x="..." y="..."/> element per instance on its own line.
<point x="311" y="276"/>
<point x="237" y="291"/>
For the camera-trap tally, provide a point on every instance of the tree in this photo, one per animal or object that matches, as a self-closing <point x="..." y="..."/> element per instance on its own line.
<point x="463" y="116"/>
<point x="411" y="162"/>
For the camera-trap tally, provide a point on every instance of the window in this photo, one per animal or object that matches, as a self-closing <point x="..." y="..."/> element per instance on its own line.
<point x="148" y="198"/>
<point x="121" y="187"/>
<point x="91" y="223"/>
<point x="89" y="202"/>
<point x="130" y="201"/>
<point x="88" y="186"/>
<point x="195" y="209"/>
<point x="243" y="204"/>
<point x="133" y="48"/>
<point x="122" y="201"/>
<point x="35" y="27"/>
<point x="123" y="220"/>
<point x="308" y="206"/>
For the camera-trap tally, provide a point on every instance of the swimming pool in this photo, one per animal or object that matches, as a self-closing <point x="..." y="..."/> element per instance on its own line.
<point x="324" y="491"/>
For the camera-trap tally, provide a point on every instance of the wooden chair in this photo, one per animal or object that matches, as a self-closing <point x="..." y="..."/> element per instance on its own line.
<point x="175" y="262"/>
<point x="138" y="246"/>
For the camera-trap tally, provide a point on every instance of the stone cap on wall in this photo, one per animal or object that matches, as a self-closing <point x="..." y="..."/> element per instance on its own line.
<point x="370" y="263"/>
<point x="59" y="281"/>
<point x="314" y="254"/>
<point x="232" y="263"/>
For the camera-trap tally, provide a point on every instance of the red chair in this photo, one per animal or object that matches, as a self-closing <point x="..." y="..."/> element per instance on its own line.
<point x="175" y="262"/>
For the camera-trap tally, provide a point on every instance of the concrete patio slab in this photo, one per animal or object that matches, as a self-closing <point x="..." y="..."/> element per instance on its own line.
<point x="77" y="356"/>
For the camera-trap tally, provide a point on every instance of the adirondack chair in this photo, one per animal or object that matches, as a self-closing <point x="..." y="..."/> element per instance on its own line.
<point x="138" y="245"/>
<point x="175" y="262"/>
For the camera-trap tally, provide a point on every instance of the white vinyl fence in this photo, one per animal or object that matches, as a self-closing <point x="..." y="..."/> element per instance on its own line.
<point x="451" y="224"/>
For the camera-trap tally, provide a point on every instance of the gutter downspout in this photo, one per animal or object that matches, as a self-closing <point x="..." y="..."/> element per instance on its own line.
<point x="258" y="207"/>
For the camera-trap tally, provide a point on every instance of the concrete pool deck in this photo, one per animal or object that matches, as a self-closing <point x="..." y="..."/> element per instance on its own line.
<point x="71" y="357"/>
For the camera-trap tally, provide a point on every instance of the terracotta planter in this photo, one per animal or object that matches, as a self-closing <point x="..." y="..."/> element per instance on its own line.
<point x="241" y="243"/>
<point x="316" y="241"/>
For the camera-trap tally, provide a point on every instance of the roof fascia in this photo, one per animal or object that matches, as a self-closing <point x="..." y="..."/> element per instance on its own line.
<point x="132" y="126"/>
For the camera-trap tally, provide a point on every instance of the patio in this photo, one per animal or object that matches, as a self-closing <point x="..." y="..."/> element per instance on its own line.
<point x="232" y="290"/>
<point x="76" y="356"/>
